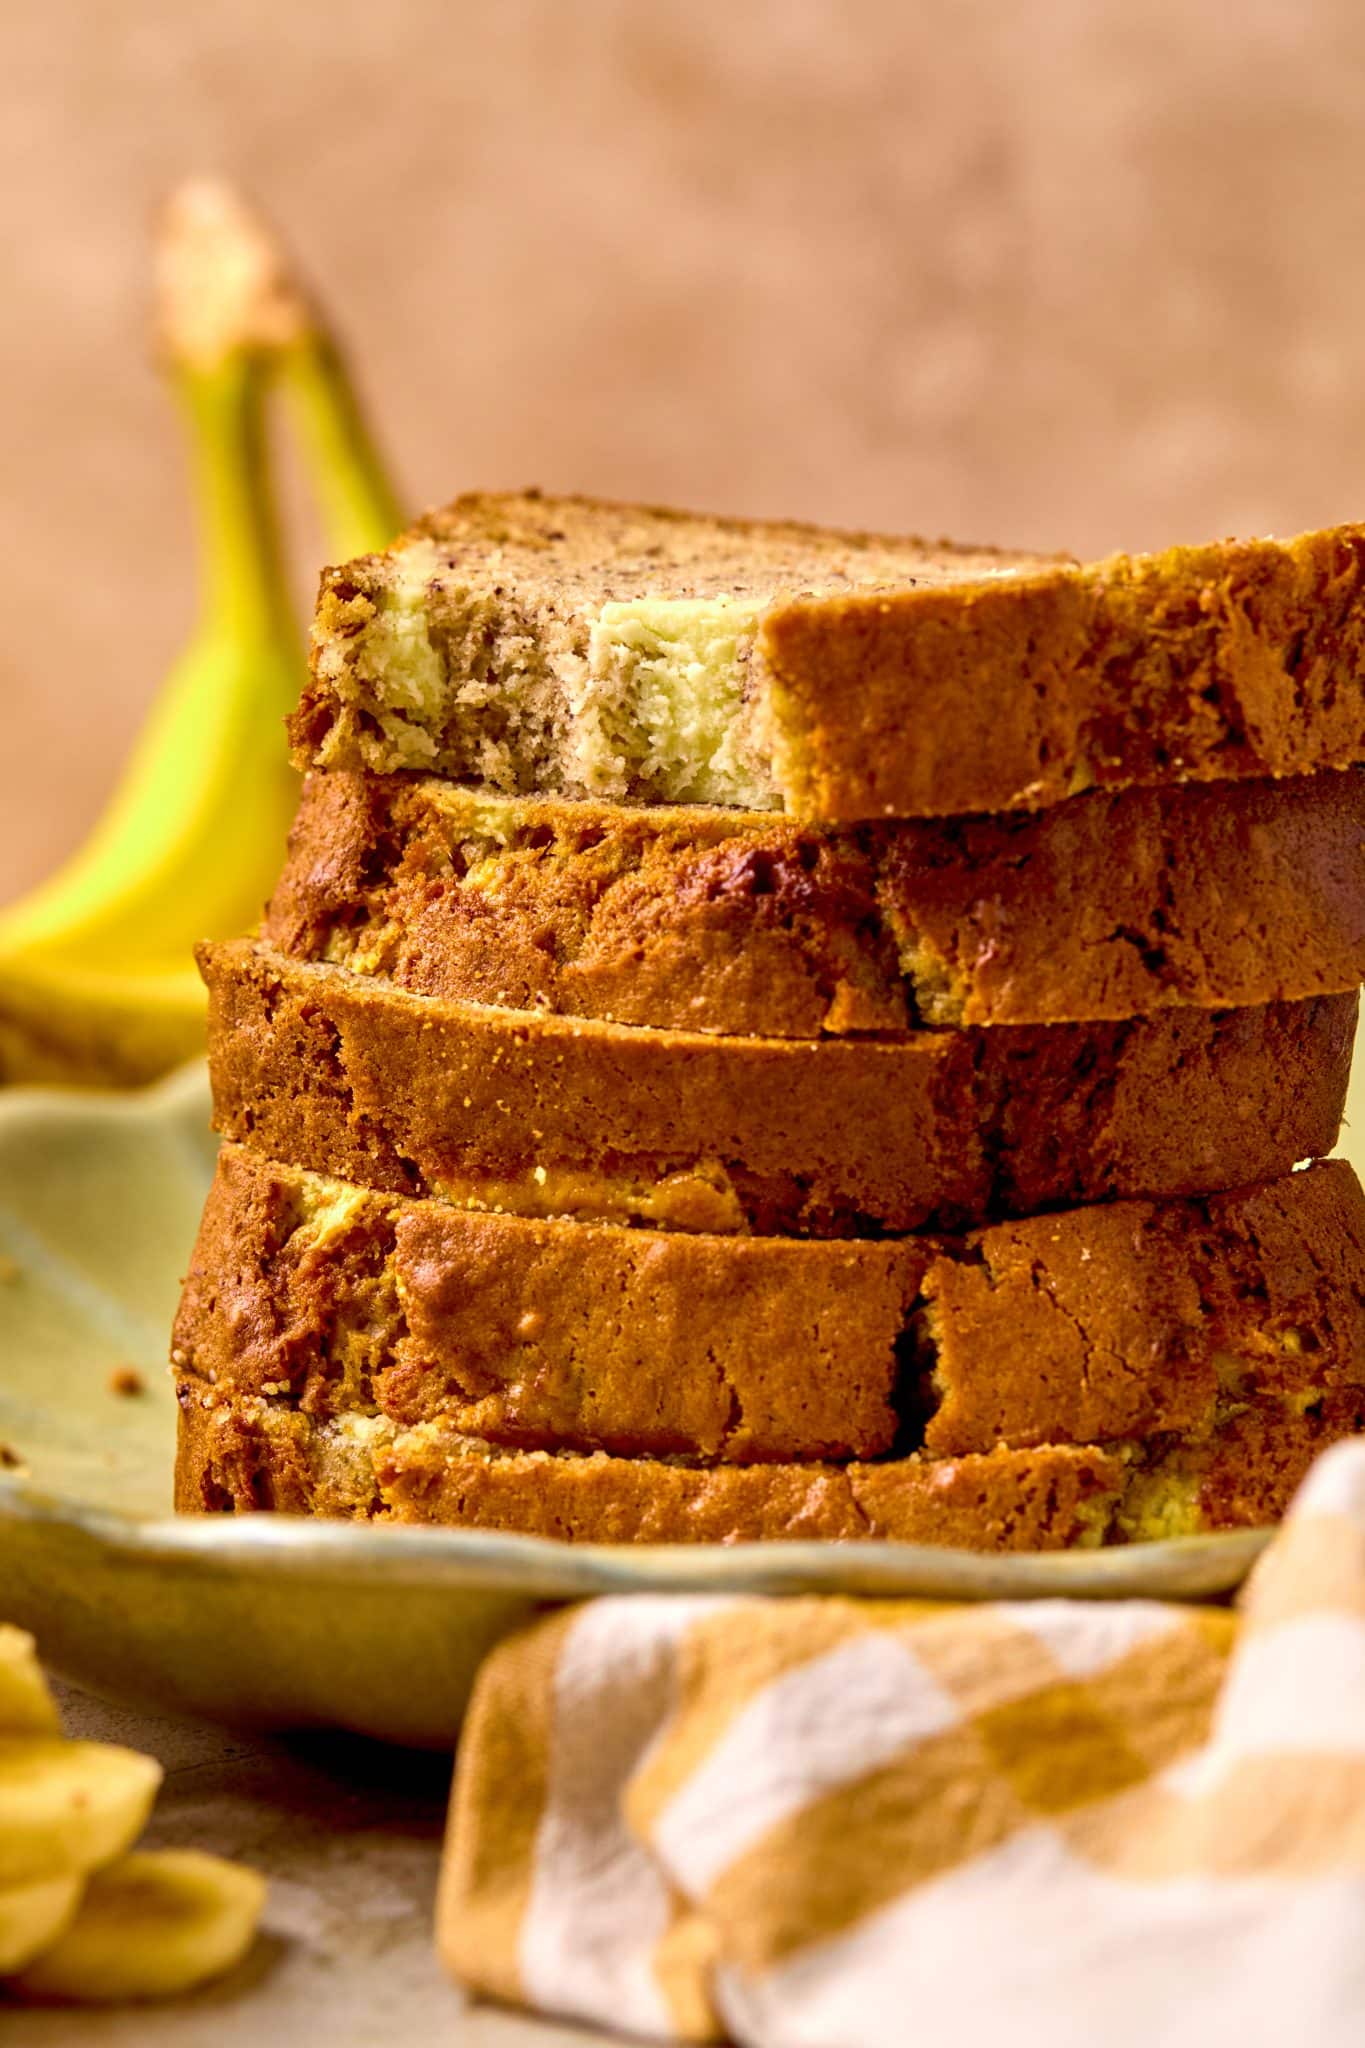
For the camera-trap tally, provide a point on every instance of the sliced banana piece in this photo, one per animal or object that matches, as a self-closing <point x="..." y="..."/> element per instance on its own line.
<point x="155" y="1924"/>
<point x="26" y="1705"/>
<point x="32" y="1916"/>
<point x="67" y="1807"/>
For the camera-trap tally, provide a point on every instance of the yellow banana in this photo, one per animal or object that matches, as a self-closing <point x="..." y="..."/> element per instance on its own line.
<point x="80" y="1916"/>
<point x="68" y="1807"/>
<point x="26" y="1705"/>
<point x="96" y="976"/>
<point x="33" y="1916"/>
<point x="96" y="1028"/>
<point x="152" y="1926"/>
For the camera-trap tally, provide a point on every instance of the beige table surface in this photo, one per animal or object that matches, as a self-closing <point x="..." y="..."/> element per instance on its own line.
<point x="349" y="1835"/>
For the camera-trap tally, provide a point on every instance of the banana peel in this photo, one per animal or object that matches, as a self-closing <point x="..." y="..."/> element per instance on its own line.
<point x="63" y="1024"/>
<point x="360" y="512"/>
<point x="97" y="983"/>
<point x="96" y="976"/>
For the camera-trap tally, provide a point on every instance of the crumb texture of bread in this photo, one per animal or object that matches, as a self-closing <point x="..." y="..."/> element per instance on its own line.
<point x="569" y="647"/>
<point x="239" y="1453"/>
<point x="1114" y="1321"/>
<point x="837" y="1137"/>
<point x="1114" y="905"/>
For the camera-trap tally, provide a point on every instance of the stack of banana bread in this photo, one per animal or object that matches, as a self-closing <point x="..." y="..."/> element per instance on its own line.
<point x="771" y="1033"/>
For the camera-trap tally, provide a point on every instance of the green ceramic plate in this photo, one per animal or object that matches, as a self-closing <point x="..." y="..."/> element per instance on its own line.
<point x="277" y="1623"/>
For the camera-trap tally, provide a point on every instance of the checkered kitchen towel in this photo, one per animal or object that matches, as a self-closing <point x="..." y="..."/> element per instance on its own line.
<point x="824" y="1823"/>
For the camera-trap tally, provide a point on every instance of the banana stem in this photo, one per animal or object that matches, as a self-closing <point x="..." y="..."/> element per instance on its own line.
<point x="241" y="556"/>
<point x="227" y="295"/>
<point x="360" y="508"/>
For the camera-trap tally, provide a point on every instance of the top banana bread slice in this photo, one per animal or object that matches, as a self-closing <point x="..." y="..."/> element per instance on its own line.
<point x="573" y="648"/>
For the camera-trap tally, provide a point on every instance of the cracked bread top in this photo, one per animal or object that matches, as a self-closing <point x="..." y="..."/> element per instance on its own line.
<point x="1103" y="1322"/>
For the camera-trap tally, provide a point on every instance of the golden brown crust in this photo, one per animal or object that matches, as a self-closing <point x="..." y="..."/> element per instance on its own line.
<point x="541" y="1333"/>
<point x="1114" y="1321"/>
<point x="238" y="1455"/>
<point x="1113" y="905"/>
<point x="1240" y="658"/>
<point x="828" y="1138"/>
<point x="1133" y="1318"/>
<point x="959" y="682"/>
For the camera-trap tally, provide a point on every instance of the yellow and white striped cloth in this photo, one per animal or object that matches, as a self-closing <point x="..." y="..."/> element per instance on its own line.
<point x="827" y="1823"/>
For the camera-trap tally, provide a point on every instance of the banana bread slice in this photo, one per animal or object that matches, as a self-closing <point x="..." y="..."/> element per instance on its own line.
<point x="1113" y="905"/>
<point x="547" y="1115"/>
<point x="1092" y="1324"/>
<point x="575" y="648"/>
<point x="239" y="1453"/>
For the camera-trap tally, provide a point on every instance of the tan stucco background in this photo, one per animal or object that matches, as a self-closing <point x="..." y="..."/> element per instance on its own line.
<point x="1086" y="273"/>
